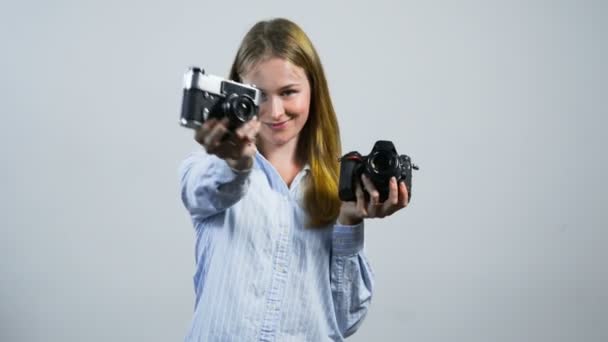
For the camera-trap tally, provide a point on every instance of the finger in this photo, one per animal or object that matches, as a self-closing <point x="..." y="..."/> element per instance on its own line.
<point x="255" y="128"/>
<point x="374" y="196"/>
<point x="213" y="139"/>
<point x="239" y="133"/>
<point x="403" y="196"/>
<point x="237" y="148"/>
<point x="225" y="151"/>
<point x="249" y="149"/>
<point x="240" y="140"/>
<point x="248" y="131"/>
<point x="201" y="132"/>
<point x="389" y="206"/>
<point x="245" y="134"/>
<point x="360" y="200"/>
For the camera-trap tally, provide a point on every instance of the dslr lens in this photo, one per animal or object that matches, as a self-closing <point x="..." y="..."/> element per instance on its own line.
<point x="382" y="162"/>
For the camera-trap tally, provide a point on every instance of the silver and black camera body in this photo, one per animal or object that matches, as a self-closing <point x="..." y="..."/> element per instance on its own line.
<point x="207" y="96"/>
<point x="380" y="165"/>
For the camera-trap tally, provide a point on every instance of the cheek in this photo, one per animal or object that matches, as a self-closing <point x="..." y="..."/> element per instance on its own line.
<point x="300" y="106"/>
<point x="264" y="108"/>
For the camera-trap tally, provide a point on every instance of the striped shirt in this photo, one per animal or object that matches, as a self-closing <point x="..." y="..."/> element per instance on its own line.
<point x="261" y="275"/>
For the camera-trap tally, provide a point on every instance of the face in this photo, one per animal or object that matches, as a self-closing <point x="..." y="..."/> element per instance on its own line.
<point x="285" y="100"/>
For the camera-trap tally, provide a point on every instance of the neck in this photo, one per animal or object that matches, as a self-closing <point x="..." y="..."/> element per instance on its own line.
<point x="284" y="158"/>
<point x="280" y="155"/>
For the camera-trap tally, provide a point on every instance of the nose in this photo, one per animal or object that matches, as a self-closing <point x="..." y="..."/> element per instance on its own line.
<point x="275" y="108"/>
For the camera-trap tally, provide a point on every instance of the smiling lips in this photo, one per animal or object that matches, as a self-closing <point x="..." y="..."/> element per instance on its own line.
<point x="278" y="125"/>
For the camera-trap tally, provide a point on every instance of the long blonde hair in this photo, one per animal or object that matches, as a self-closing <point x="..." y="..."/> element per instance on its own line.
<point x="319" y="143"/>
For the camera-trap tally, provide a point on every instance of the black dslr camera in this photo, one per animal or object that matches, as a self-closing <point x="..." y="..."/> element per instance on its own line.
<point x="207" y="96"/>
<point x="380" y="165"/>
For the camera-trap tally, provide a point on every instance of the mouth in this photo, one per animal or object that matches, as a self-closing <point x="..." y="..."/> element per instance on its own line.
<point x="277" y="125"/>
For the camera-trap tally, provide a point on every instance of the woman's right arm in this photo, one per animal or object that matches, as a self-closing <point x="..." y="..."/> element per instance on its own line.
<point x="214" y="179"/>
<point x="209" y="185"/>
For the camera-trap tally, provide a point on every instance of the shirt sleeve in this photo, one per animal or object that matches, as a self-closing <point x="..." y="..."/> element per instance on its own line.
<point x="209" y="185"/>
<point x="352" y="279"/>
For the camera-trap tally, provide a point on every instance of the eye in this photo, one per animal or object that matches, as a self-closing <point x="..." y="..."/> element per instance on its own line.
<point x="289" y="92"/>
<point x="263" y="96"/>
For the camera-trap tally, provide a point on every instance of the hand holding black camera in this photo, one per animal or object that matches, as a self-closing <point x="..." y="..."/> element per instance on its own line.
<point x="380" y="183"/>
<point x="379" y="166"/>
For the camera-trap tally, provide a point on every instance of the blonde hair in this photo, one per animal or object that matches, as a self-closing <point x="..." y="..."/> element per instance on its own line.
<point x="319" y="143"/>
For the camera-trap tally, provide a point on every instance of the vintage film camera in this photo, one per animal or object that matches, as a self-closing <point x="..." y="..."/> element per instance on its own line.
<point x="207" y="96"/>
<point x="380" y="165"/>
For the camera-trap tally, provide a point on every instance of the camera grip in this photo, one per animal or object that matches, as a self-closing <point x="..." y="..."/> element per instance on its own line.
<point x="192" y="108"/>
<point x="348" y="177"/>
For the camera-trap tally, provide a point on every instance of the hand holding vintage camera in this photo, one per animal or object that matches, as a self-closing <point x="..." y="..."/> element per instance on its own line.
<point x="224" y="115"/>
<point x="237" y="147"/>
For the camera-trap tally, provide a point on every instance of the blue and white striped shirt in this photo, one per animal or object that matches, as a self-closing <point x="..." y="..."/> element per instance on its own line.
<point x="261" y="275"/>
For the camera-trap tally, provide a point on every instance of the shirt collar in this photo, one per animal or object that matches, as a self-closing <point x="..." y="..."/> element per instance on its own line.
<point x="275" y="181"/>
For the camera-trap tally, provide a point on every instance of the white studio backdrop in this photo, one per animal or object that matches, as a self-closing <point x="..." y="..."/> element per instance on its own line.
<point x="501" y="103"/>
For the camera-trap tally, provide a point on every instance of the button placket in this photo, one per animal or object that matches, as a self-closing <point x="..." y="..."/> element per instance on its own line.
<point x="279" y="275"/>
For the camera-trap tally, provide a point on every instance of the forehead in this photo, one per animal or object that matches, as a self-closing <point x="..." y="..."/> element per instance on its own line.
<point x="274" y="73"/>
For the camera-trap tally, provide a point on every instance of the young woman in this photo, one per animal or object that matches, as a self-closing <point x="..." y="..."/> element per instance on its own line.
<point x="278" y="256"/>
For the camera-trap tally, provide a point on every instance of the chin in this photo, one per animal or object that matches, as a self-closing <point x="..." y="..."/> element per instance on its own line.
<point x="279" y="139"/>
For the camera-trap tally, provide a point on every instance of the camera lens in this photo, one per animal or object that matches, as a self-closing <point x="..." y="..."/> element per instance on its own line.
<point x="382" y="162"/>
<point x="242" y="107"/>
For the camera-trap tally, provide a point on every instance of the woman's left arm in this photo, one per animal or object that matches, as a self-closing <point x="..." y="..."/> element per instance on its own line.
<point x="352" y="279"/>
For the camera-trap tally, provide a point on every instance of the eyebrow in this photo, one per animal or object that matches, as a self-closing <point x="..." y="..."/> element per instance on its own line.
<point x="290" y="85"/>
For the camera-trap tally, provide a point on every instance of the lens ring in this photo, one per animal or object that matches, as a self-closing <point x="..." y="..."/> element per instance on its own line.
<point x="242" y="107"/>
<point x="382" y="162"/>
